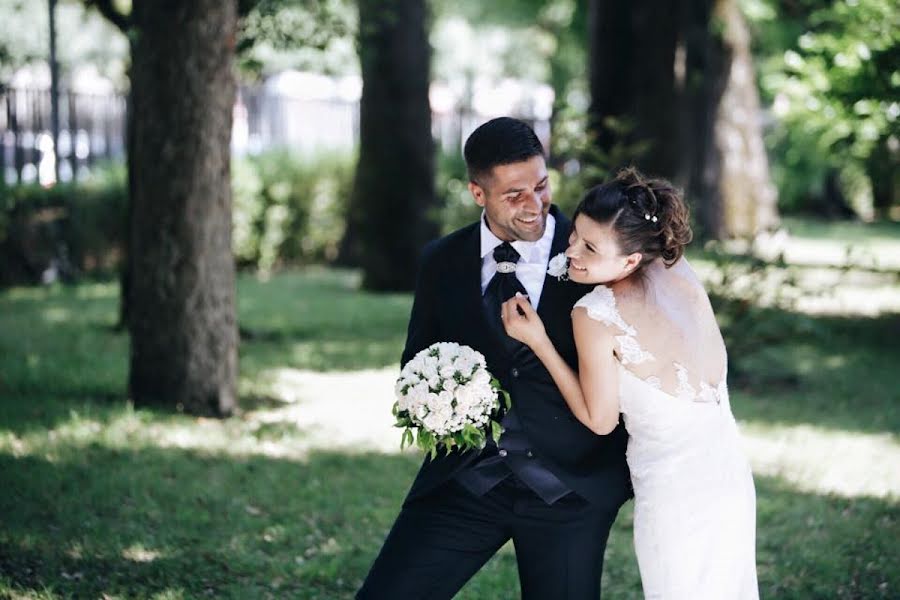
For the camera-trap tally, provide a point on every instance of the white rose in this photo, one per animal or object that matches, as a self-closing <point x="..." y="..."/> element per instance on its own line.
<point x="447" y="350"/>
<point x="558" y="266"/>
<point x="465" y="365"/>
<point x="466" y="399"/>
<point x="481" y="378"/>
<point x="434" y="423"/>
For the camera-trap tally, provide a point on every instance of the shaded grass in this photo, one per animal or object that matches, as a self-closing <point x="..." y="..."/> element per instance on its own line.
<point x="848" y="232"/>
<point x="832" y="371"/>
<point x="318" y="319"/>
<point x="150" y="521"/>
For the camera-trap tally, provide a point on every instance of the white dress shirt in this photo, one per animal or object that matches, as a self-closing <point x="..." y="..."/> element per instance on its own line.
<point x="533" y="258"/>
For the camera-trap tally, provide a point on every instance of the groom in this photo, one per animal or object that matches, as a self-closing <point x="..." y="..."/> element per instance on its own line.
<point x="550" y="484"/>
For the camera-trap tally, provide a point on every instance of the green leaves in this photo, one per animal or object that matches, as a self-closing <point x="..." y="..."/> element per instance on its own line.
<point x="507" y="401"/>
<point x="496" y="431"/>
<point x="828" y="71"/>
<point x="406" y="439"/>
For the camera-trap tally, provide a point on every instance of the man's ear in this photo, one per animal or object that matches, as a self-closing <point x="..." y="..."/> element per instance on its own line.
<point x="478" y="193"/>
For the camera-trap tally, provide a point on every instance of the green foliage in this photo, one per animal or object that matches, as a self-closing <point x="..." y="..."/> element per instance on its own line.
<point x="289" y="209"/>
<point x="456" y="207"/>
<point x="830" y="71"/>
<point x="582" y="164"/>
<point x="79" y="225"/>
<point x="530" y="39"/>
<point x="286" y="210"/>
<point x="84" y="38"/>
<point x="313" y="35"/>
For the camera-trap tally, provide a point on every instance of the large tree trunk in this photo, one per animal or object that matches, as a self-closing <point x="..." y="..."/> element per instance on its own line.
<point x="883" y="169"/>
<point x="393" y="192"/>
<point x="673" y="92"/>
<point x="634" y="103"/>
<point x="125" y="268"/>
<point x="729" y="182"/>
<point x="181" y="298"/>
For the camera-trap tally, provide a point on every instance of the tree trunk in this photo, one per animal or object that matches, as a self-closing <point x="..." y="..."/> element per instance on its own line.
<point x="393" y="191"/>
<point x="181" y="298"/>
<point x="125" y="267"/>
<point x="673" y="92"/>
<point x="729" y="183"/>
<point x="634" y="103"/>
<point x="883" y="171"/>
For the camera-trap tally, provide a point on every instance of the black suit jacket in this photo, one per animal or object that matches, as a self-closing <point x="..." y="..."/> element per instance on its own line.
<point x="448" y="308"/>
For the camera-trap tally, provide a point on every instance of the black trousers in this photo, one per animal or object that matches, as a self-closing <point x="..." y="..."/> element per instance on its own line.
<point x="439" y="541"/>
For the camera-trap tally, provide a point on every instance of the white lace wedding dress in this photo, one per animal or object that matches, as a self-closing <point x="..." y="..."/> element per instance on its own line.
<point x="695" y="507"/>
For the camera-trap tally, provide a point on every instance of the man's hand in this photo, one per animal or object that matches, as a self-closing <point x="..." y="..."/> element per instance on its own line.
<point x="522" y="322"/>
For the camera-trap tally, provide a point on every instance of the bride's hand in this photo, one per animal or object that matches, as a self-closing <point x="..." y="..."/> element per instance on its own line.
<point x="522" y="322"/>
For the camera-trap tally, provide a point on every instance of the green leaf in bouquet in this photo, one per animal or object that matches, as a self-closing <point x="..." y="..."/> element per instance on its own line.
<point x="403" y="420"/>
<point x="425" y="440"/>
<point x="406" y="439"/>
<point x="496" y="431"/>
<point x="470" y="433"/>
<point x="495" y="383"/>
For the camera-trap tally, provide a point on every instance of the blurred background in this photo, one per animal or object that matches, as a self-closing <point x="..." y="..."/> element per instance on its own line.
<point x="210" y="217"/>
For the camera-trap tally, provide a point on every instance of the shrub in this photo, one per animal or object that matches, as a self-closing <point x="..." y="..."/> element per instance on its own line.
<point x="289" y="209"/>
<point x="64" y="230"/>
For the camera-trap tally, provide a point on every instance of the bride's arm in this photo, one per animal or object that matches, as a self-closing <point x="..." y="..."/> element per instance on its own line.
<point x="592" y="394"/>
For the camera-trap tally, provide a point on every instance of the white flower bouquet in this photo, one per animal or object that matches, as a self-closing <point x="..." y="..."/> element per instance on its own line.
<point x="446" y="394"/>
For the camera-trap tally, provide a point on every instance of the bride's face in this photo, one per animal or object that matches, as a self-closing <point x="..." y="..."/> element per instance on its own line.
<point x="594" y="254"/>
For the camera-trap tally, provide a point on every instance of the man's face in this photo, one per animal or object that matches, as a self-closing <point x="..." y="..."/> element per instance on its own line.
<point x="516" y="199"/>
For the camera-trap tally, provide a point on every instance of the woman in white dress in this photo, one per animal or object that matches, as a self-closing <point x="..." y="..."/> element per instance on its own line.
<point x="650" y="349"/>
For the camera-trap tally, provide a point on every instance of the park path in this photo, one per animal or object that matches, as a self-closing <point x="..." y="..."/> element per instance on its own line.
<point x="351" y="411"/>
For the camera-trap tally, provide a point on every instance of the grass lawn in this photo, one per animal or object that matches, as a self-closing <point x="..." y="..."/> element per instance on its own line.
<point x="99" y="500"/>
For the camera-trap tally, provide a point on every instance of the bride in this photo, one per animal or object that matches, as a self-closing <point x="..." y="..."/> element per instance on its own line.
<point x="650" y="349"/>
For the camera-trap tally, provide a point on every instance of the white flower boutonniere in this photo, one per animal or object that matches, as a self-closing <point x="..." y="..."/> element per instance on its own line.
<point x="559" y="267"/>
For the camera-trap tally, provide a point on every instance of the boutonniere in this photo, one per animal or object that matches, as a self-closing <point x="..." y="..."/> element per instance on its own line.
<point x="559" y="267"/>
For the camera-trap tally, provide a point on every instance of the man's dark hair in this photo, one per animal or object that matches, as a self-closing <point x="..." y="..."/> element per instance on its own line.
<point x="500" y="141"/>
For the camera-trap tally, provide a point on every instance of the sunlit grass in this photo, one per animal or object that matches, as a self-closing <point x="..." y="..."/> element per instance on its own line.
<point x="823" y="461"/>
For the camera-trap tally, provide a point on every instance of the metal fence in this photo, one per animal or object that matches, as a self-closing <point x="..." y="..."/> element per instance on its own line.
<point x="264" y="120"/>
<point x="91" y="129"/>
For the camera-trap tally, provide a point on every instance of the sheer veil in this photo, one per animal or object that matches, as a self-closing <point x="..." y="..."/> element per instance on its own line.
<point x="672" y="320"/>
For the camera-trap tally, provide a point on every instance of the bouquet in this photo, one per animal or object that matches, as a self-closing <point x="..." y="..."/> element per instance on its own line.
<point x="446" y="394"/>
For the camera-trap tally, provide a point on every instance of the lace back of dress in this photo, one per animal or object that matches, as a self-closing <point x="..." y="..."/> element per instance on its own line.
<point x="666" y="333"/>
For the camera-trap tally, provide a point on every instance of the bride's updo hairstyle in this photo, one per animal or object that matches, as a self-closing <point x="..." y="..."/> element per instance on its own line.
<point x="648" y="215"/>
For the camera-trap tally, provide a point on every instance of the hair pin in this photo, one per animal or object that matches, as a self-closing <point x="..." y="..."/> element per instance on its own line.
<point x="650" y="218"/>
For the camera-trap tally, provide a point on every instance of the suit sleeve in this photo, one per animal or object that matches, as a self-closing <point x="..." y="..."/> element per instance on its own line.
<point x="423" y="330"/>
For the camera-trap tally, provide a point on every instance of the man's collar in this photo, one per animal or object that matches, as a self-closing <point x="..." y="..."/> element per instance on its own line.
<point x="526" y="250"/>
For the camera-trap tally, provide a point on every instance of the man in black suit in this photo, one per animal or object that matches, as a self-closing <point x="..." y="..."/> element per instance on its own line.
<point x="550" y="484"/>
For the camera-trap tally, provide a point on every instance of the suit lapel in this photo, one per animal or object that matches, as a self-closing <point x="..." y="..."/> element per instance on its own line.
<point x="468" y="300"/>
<point x="553" y="287"/>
